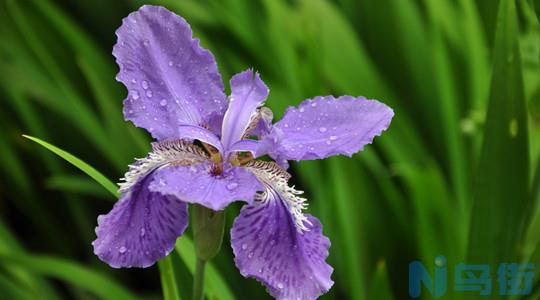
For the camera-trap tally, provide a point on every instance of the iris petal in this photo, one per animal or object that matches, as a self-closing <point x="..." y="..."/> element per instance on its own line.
<point x="326" y="126"/>
<point x="141" y="228"/>
<point x="248" y="92"/>
<point x="197" y="184"/>
<point x="268" y="247"/>
<point x="171" y="79"/>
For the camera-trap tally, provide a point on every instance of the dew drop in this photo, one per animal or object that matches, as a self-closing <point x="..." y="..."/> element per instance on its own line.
<point x="122" y="250"/>
<point x="280" y="285"/>
<point x="231" y="186"/>
<point x="163" y="102"/>
<point x="260" y="270"/>
<point x="171" y="63"/>
<point x="244" y="246"/>
<point x="144" y="84"/>
<point x="135" y="95"/>
<point x="250" y="255"/>
<point x="313" y="104"/>
<point x="322" y="129"/>
<point x="143" y="231"/>
<point x="133" y="80"/>
<point x="149" y="94"/>
<point x="333" y="137"/>
<point x="301" y="109"/>
<point x="328" y="142"/>
<point x="146" y="42"/>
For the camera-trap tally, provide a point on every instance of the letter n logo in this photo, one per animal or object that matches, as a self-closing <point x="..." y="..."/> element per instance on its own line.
<point x="418" y="275"/>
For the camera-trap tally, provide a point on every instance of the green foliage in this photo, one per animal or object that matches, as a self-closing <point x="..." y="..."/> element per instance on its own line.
<point x="457" y="173"/>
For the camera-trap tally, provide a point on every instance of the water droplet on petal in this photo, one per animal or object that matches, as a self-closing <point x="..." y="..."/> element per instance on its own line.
<point x="260" y="270"/>
<point x="250" y="255"/>
<point x="322" y="129"/>
<point x="163" y="102"/>
<point x="244" y="246"/>
<point x="231" y="186"/>
<point x="170" y="63"/>
<point x="149" y="94"/>
<point x="144" y="84"/>
<point x="280" y="285"/>
<point x="135" y="95"/>
<point x="133" y="80"/>
<point x="301" y="109"/>
<point x="328" y="142"/>
<point x="143" y="231"/>
<point x="146" y="42"/>
<point x="333" y="137"/>
<point x="313" y="104"/>
<point x="122" y="250"/>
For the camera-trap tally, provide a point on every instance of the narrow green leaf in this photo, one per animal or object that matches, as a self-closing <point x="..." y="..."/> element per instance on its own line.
<point x="381" y="288"/>
<point x="86" y="168"/>
<point x="168" y="280"/>
<point x="76" y="184"/>
<point x="502" y="186"/>
<point x="12" y="289"/>
<point x="65" y="270"/>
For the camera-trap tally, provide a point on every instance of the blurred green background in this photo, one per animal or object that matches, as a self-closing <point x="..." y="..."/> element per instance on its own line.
<point x="455" y="175"/>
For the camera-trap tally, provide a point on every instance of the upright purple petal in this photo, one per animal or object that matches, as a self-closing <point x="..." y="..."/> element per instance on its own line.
<point x="248" y="92"/>
<point x="262" y="123"/>
<point x="268" y="247"/>
<point x="326" y="126"/>
<point x="201" y="185"/>
<point x="141" y="228"/>
<point x="171" y="80"/>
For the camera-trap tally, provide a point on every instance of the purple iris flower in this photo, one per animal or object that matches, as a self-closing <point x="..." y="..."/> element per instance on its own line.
<point x="205" y="154"/>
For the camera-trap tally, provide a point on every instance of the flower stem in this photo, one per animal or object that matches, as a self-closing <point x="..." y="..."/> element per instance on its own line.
<point x="208" y="229"/>
<point x="198" y="281"/>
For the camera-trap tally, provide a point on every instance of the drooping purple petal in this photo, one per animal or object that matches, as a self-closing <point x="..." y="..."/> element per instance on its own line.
<point x="170" y="79"/>
<point x="197" y="184"/>
<point x="268" y="247"/>
<point x="248" y="92"/>
<point x="201" y="134"/>
<point x="141" y="228"/>
<point x="326" y="126"/>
